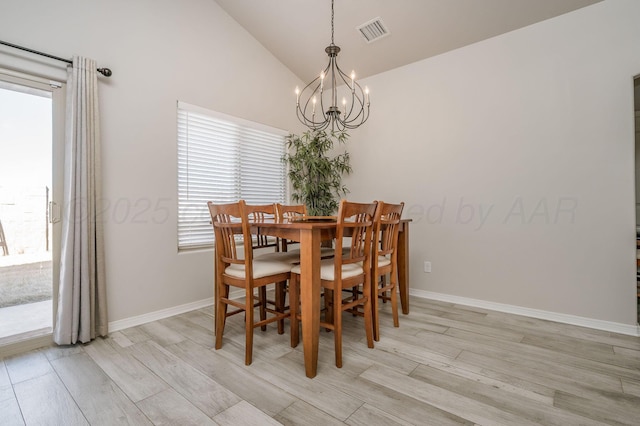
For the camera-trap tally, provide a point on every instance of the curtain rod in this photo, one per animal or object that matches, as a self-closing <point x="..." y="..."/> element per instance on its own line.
<point x="104" y="71"/>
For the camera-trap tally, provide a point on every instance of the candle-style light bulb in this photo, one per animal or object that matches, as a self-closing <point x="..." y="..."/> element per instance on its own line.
<point x="313" y="112"/>
<point x="297" y="95"/>
<point x="353" y="77"/>
<point x="366" y="94"/>
<point x="321" y="80"/>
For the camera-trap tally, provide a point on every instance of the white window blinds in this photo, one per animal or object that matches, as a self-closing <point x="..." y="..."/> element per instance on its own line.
<point x="223" y="159"/>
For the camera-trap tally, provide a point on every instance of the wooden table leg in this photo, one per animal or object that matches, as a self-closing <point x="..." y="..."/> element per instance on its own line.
<point x="403" y="266"/>
<point x="216" y="267"/>
<point x="310" y="297"/>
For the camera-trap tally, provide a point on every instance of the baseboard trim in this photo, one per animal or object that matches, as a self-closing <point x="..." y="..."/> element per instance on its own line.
<point x="613" y="327"/>
<point x="157" y="315"/>
<point x="631" y="330"/>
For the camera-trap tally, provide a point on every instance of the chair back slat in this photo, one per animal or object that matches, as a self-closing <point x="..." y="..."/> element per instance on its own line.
<point x="260" y="213"/>
<point x="290" y="211"/>
<point x="356" y="221"/>
<point x="388" y="227"/>
<point x="227" y="225"/>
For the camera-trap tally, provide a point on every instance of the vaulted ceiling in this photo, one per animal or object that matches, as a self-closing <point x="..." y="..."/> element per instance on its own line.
<point x="297" y="31"/>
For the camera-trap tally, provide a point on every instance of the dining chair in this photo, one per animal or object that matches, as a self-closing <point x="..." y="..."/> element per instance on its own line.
<point x="385" y="261"/>
<point x="351" y="269"/>
<point x="259" y="213"/>
<point x="232" y="228"/>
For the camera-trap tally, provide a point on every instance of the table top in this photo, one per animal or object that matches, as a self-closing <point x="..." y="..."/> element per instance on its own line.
<point x="325" y="222"/>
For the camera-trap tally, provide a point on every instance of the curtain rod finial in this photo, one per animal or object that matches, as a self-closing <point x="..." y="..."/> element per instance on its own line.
<point x="105" y="71"/>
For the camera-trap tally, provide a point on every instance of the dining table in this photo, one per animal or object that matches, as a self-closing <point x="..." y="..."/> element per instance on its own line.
<point x="310" y="232"/>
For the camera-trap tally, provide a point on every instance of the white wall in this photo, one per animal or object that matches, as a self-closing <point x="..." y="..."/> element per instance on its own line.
<point x="160" y="51"/>
<point x="515" y="158"/>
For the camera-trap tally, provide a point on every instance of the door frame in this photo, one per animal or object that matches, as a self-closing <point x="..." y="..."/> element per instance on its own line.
<point x="58" y="108"/>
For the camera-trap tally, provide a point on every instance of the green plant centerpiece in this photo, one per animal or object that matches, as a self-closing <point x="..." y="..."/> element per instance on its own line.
<point x="316" y="178"/>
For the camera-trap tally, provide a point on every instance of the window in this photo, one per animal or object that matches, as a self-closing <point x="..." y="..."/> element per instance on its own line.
<point x="223" y="159"/>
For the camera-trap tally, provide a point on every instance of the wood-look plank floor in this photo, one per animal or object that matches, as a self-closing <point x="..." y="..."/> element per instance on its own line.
<point x="446" y="364"/>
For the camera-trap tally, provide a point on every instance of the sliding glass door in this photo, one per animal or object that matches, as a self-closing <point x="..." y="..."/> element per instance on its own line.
<point x="31" y="152"/>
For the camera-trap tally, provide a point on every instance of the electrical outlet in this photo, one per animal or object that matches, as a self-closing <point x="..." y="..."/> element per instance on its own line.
<point x="427" y="266"/>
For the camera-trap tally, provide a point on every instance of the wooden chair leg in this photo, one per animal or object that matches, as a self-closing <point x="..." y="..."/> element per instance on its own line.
<point x="394" y="297"/>
<point x="262" y="292"/>
<point x="375" y="305"/>
<point x="248" y="324"/>
<point x="337" y="325"/>
<point x="383" y="280"/>
<point x="354" y="294"/>
<point x="368" y="322"/>
<point x="221" y="310"/>
<point x="293" y="310"/>
<point x="328" y="306"/>
<point x="281" y="294"/>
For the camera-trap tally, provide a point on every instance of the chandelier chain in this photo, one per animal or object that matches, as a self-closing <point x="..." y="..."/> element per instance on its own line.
<point x="332" y="22"/>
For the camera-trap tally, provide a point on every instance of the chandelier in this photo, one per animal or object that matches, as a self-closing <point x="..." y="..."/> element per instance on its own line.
<point x="333" y="98"/>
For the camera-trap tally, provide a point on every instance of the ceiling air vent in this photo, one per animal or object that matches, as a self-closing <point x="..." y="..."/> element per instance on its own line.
<point x="373" y="30"/>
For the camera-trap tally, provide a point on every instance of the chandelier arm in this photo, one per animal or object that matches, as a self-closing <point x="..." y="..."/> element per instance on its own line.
<point x="325" y="72"/>
<point x="360" y="118"/>
<point x="334" y="87"/>
<point x="348" y="82"/>
<point x="361" y="115"/>
<point x="304" y="111"/>
<point x="305" y="97"/>
<point x="306" y="101"/>
<point x="361" y="107"/>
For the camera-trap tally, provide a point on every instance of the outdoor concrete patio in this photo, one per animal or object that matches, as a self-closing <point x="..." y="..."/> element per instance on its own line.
<point x="25" y="296"/>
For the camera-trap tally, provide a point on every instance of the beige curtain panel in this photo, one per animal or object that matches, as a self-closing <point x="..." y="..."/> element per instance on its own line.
<point x="82" y="302"/>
